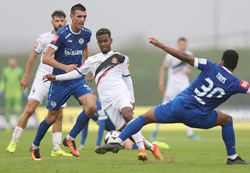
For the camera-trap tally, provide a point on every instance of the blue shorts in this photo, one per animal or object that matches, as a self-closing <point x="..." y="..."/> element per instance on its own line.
<point x="175" y="112"/>
<point x="60" y="91"/>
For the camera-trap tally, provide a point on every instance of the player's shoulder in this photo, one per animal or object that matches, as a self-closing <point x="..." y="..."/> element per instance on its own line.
<point x="119" y="53"/>
<point x="63" y="31"/>
<point x="94" y="56"/>
<point x="45" y="35"/>
<point x="86" y="31"/>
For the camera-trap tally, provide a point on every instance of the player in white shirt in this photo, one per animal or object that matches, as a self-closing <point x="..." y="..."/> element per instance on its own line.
<point x="115" y="88"/>
<point x="39" y="90"/>
<point x="177" y="81"/>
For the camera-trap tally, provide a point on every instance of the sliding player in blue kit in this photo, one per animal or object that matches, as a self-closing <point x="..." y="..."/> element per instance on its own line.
<point x="65" y="54"/>
<point x="195" y="105"/>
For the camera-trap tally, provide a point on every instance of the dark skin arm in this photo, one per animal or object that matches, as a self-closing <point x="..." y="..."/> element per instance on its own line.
<point x="178" y="54"/>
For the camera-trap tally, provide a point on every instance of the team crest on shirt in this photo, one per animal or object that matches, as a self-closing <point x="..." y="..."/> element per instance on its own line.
<point x="114" y="60"/>
<point x="53" y="104"/>
<point x="81" y="41"/>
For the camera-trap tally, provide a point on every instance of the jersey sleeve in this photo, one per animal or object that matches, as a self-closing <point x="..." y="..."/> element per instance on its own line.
<point x="243" y="87"/>
<point x="201" y="63"/>
<point x="125" y="67"/>
<point x="57" y="40"/>
<point x="39" y="45"/>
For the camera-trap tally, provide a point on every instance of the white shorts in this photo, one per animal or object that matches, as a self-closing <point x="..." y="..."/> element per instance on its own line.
<point x="39" y="90"/>
<point x="114" y="111"/>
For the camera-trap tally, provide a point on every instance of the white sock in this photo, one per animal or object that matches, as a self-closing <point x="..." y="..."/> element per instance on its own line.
<point x="34" y="146"/>
<point x="70" y="138"/>
<point x="56" y="139"/>
<point x="190" y="131"/>
<point x="232" y="156"/>
<point x="17" y="134"/>
<point x="148" y="145"/>
<point x="138" y="138"/>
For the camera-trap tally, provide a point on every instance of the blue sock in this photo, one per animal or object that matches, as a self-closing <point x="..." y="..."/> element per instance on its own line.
<point x="134" y="146"/>
<point x="132" y="128"/>
<point x="81" y="121"/>
<point x="229" y="138"/>
<point x="41" y="131"/>
<point x="84" y="134"/>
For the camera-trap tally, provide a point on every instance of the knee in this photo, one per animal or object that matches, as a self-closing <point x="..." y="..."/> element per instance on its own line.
<point x="227" y="119"/>
<point x="90" y="109"/>
<point x="52" y="117"/>
<point x="127" y="115"/>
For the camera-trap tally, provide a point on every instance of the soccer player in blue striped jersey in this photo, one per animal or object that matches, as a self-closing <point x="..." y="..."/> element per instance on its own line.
<point x="65" y="54"/>
<point x="195" y="106"/>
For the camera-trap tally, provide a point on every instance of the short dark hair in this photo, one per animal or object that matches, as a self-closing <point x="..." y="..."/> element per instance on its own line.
<point x="77" y="7"/>
<point x="230" y="58"/>
<point x="103" y="31"/>
<point x="58" y="13"/>
<point x="182" y="39"/>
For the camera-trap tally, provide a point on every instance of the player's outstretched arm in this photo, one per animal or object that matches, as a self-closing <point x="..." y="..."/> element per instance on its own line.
<point x="178" y="54"/>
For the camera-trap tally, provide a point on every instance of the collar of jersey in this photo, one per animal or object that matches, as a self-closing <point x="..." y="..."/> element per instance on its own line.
<point x="110" y="52"/>
<point x="73" y="31"/>
<point x="226" y="69"/>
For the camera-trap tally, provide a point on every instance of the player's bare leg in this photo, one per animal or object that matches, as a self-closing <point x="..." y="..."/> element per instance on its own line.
<point x="21" y="124"/>
<point x="57" y="136"/>
<point x="226" y="122"/>
<point x="41" y="131"/>
<point x="89" y="103"/>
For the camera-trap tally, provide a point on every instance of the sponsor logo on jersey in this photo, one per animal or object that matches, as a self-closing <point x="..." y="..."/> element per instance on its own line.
<point x="55" y="38"/>
<point x="244" y="84"/>
<point x="70" y="52"/>
<point x="81" y="41"/>
<point x="53" y="104"/>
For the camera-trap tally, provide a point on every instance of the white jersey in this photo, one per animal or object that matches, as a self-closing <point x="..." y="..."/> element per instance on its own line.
<point x="112" y="77"/>
<point x="109" y="77"/>
<point x="41" y="46"/>
<point x="39" y="89"/>
<point x="177" y="79"/>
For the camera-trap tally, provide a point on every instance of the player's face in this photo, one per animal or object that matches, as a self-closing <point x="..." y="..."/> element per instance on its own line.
<point x="104" y="42"/>
<point x="78" y="19"/>
<point x="182" y="45"/>
<point x="12" y="62"/>
<point x="58" y="22"/>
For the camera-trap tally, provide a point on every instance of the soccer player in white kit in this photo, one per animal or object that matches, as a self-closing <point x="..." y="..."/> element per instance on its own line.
<point x="115" y="88"/>
<point x="39" y="90"/>
<point x="177" y="81"/>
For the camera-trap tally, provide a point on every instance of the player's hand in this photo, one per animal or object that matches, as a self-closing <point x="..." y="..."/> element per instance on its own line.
<point x="49" y="77"/>
<point x="24" y="82"/>
<point x="91" y="77"/>
<point x="96" y="147"/>
<point x="70" y="67"/>
<point x="155" y="42"/>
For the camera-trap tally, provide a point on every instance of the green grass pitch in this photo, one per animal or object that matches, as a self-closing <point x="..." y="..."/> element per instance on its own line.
<point x="206" y="155"/>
